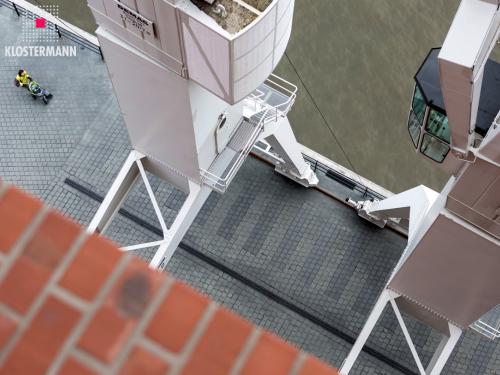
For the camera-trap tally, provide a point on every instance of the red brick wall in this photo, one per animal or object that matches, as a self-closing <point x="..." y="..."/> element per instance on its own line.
<point x="73" y="304"/>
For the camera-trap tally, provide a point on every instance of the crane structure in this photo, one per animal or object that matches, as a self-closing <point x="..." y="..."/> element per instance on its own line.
<point x="195" y="85"/>
<point x="448" y="274"/>
<point x="194" y="82"/>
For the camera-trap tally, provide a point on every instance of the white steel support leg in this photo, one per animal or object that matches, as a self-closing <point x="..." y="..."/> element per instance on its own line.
<point x="412" y="204"/>
<point x="124" y="182"/>
<point x="407" y="336"/>
<point x="284" y="143"/>
<point x="152" y="196"/>
<point x="437" y="362"/>
<point x="192" y="205"/>
<point x="373" y="318"/>
<point x="116" y="194"/>
<point x="444" y="350"/>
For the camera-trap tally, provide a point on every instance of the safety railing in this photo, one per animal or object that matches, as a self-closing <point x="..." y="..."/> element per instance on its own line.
<point x="64" y="30"/>
<point x="347" y="181"/>
<point x="275" y="94"/>
<point x="489" y="324"/>
<point x="269" y="102"/>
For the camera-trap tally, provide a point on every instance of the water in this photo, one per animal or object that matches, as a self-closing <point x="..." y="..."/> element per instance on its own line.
<point x="354" y="62"/>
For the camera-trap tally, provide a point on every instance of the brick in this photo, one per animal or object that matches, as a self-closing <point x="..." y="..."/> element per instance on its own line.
<point x="52" y="240"/>
<point x="271" y="356"/>
<point x="177" y="316"/>
<point x="17" y="210"/>
<point x="42" y="255"/>
<point x="313" y="366"/>
<point x="73" y="367"/>
<point x="7" y="328"/>
<point x="22" y="284"/>
<point x="43" y="339"/>
<point x="91" y="267"/>
<point x="143" y="362"/>
<point x="125" y="305"/>
<point x="220" y="345"/>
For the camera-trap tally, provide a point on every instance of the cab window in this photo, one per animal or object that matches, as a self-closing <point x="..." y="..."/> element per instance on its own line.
<point x="437" y="125"/>
<point x="414" y="128"/>
<point x="434" y="148"/>
<point x="418" y="104"/>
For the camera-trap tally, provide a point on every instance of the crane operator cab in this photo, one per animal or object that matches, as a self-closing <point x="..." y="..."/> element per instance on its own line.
<point x="427" y="120"/>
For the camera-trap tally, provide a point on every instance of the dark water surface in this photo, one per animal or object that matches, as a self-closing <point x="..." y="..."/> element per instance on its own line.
<point x="353" y="61"/>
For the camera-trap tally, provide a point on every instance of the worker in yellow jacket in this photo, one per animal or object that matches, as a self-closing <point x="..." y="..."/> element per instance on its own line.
<point x="23" y="79"/>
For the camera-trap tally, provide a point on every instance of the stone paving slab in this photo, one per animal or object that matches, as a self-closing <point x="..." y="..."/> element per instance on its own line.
<point x="296" y="243"/>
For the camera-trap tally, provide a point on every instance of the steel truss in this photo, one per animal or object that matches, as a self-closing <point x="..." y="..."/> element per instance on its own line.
<point x="121" y="187"/>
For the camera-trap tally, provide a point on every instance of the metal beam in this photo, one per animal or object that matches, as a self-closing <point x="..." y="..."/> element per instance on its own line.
<point x="116" y="194"/>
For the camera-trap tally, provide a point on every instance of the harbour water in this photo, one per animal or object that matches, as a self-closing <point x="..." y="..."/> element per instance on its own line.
<point x="353" y="62"/>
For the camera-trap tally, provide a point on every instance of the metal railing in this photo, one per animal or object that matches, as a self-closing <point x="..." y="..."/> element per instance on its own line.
<point x="269" y="102"/>
<point x="276" y="94"/>
<point x="347" y="181"/>
<point x="62" y="29"/>
<point x="489" y="324"/>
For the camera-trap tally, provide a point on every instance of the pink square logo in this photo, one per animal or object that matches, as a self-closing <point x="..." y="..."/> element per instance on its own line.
<point x="40" y="23"/>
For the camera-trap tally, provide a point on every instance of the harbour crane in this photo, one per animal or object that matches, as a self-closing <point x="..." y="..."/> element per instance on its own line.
<point x="448" y="276"/>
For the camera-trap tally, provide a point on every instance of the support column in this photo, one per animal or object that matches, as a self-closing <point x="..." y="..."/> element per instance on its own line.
<point x="284" y="143"/>
<point x="116" y="194"/>
<point x="373" y="318"/>
<point x="192" y="205"/>
<point x="444" y="350"/>
<point x="124" y="182"/>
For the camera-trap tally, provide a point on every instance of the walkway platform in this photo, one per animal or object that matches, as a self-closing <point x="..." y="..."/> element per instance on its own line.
<point x="290" y="259"/>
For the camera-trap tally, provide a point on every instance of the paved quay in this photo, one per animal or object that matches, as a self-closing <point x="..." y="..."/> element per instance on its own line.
<point x="289" y="259"/>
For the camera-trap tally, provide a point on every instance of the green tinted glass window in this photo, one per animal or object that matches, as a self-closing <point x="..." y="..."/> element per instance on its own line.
<point x="414" y="128"/>
<point x="418" y="104"/>
<point x="437" y="125"/>
<point x="434" y="148"/>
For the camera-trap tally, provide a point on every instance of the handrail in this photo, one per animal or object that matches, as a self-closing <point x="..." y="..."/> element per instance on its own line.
<point x="221" y="183"/>
<point x="267" y="114"/>
<point x="487" y="329"/>
<point x="323" y="168"/>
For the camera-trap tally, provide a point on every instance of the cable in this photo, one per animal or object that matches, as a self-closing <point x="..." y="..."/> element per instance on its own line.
<point x="322" y="115"/>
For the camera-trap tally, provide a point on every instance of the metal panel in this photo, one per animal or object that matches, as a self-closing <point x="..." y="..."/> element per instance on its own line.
<point x="113" y="12"/>
<point x="476" y="196"/>
<point x="457" y="93"/>
<point x="256" y="33"/>
<point x="130" y="3"/>
<point x="232" y="66"/>
<point x="246" y="85"/>
<point x="147" y="9"/>
<point x="281" y="44"/>
<point x="283" y="6"/>
<point x="453" y="272"/>
<point x="167" y="29"/>
<point x="162" y="128"/>
<point x="470" y="39"/>
<point x="474" y="217"/>
<point x="164" y="44"/>
<point x="133" y="21"/>
<point x="254" y="58"/>
<point x="284" y="24"/>
<point x="207" y="57"/>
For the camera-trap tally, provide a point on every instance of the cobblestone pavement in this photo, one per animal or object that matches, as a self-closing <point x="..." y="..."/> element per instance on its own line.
<point x="287" y="258"/>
